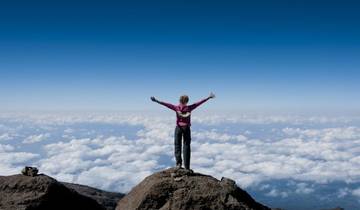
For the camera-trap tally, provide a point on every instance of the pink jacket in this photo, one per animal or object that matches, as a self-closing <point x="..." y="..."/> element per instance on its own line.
<point x="183" y="112"/>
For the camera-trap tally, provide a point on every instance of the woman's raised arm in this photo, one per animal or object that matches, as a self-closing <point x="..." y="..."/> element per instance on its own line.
<point x="193" y="106"/>
<point x="168" y="105"/>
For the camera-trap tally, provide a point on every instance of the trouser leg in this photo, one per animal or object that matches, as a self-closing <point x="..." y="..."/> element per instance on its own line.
<point x="186" y="147"/>
<point x="177" y="143"/>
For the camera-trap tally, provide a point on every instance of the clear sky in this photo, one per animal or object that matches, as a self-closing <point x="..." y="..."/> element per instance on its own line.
<point x="113" y="55"/>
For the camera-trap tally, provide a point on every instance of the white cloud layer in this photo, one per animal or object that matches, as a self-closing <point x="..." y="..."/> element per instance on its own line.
<point x="36" y="138"/>
<point x="248" y="149"/>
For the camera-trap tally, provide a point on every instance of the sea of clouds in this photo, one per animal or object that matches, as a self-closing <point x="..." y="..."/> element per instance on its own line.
<point x="272" y="156"/>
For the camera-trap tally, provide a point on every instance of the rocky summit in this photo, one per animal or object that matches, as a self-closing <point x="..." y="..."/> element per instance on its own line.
<point x="180" y="189"/>
<point x="42" y="192"/>
<point x="169" y="189"/>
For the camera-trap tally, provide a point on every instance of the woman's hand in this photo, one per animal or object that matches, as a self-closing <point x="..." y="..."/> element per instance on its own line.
<point x="212" y="95"/>
<point x="153" y="98"/>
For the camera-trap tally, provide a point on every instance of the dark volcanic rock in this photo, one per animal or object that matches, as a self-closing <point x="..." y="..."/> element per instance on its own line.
<point x="173" y="189"/>
<point x="29" y="171"/>
<point x="106" y="199"/>
<point x="41" y="193"/>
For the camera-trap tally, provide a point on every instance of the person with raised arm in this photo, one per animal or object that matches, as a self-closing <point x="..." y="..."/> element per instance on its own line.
<point x="182" y="129"/>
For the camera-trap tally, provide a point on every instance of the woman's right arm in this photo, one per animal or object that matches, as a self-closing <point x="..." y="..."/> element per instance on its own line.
<point x="168" y="105"/>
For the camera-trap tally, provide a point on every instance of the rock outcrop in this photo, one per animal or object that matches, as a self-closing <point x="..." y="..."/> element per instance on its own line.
<point x="41" y="193"/>
<point x="29" y="171"/>
<point x="108" y="200"/>
<point x="180" y="189"/>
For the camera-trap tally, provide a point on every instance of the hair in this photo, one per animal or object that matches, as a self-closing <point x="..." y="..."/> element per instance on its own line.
<point x="184" y="99"/>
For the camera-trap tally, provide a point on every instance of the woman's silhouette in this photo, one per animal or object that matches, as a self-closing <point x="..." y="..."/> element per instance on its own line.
<point x="182" y="130"/>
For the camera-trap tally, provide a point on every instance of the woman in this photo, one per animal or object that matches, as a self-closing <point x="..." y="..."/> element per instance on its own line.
<point x="182" y="130"/>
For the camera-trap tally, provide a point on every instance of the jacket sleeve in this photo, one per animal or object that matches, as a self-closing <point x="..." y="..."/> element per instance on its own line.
<point x="168" y="105"/>
<point x="195" y="105"/>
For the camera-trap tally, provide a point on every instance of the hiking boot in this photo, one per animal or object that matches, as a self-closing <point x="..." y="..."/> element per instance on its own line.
<point x="178" y="166"/>
<point x="188" y="170"/>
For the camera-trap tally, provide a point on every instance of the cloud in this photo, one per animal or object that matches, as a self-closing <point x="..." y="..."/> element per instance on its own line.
<point x="327" y="134"/>
<point x="36" y="138"/>
<point x="248" y="149"/>
<point x="136" y="118"/>
<point x="277" y="193"/>
<point x="216" y="136"/>
<point x="5" y="137"/>
<point x="113" y="163"/>
<point x="342" y="192"/>
<point x="12" y="158"/>
<point x="356" y="192"/>
<point x="302" y="188"/>
<point x="6" y="148"/>
<point x="11" y="161"/>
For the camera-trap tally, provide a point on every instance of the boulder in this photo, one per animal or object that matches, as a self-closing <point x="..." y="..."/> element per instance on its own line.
<point x="29" y="171"/>
<point x="180" y="189"/>
<point x="41" y="192"/>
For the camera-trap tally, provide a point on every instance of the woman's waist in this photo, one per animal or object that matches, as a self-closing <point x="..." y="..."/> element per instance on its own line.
<point x="183" y="124"/>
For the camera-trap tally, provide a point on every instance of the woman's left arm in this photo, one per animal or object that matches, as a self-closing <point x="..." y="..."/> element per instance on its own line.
<point x="195" y="105"/>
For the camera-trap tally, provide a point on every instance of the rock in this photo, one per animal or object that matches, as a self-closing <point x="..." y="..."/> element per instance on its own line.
<point x="41" y="193"/>
<point x="29" y="171"/>
<point x="227" y="181"/>
<point x="177" y="189"/>
<point x="106" y="199"/>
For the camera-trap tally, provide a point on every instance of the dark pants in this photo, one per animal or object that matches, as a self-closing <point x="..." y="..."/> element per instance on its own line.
<point x="182" y="132"/>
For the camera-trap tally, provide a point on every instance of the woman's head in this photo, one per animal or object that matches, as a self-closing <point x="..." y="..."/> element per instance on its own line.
<point x="184" y="99"/>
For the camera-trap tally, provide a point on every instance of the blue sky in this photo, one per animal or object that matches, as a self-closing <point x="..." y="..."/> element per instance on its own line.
<point x="107" y="55"/>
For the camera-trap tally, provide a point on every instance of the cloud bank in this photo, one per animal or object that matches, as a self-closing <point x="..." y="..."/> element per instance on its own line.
<point x="115" y="151"/>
